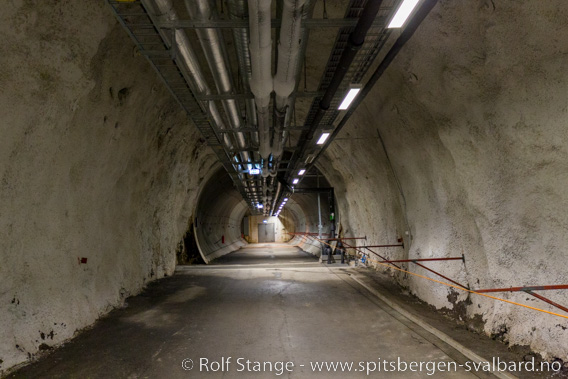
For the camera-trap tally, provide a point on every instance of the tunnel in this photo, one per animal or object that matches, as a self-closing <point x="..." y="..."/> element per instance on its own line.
<point x="313" y="180"/>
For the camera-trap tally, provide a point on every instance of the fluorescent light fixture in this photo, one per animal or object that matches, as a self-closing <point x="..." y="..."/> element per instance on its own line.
<point x="323" y="138"/>
<point x="310" y="158"/>
<point x="349" y="98"/>
<point x="264" y="221"/>
<point x="301" y="172"/>
<point x="260" y="206"/>
<point x="402" y="13"/>
<point x="285" y="199"/>
<point x="254" y="171"/>
<point x="295" y="181"/>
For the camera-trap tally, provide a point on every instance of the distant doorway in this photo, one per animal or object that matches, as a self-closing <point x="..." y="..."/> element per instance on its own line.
<point x="266" y="233"/>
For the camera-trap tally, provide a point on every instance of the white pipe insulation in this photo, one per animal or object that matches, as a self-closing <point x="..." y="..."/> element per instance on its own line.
<point x="286" y="78"/>
<point x="213" y="45"/>
<point x="289" y="45"/>
<point x="164" y="10"/>
<point x="261" y="61"/>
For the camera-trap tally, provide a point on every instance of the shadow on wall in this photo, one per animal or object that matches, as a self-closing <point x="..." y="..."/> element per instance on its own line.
<point x="188" y="252"/>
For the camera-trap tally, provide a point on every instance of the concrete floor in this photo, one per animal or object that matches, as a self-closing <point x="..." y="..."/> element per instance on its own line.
<point x="267" y="303"/>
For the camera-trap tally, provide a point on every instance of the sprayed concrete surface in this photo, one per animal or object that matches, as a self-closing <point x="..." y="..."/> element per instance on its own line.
<point x="247" y="307"/>
<point x="93" y="164"/>
<point x="472" y="113"/>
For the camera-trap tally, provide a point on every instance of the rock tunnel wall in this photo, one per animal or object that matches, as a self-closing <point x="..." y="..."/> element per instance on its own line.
<point x="94" y="159"/>
<point x="473" y="116"/>
<point x="302" y="209"/>
<point x="219" y="215"/>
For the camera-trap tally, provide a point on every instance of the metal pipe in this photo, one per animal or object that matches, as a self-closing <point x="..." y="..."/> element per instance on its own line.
<point x="440" y="275"/>
<point x="396" y="245"/>
<point x="331" y="199"/>
<point x="306" y="234"/>
<point x="261" y="62"/>
<point x="190" y="68"/>
<point x="288" y="51"/>
<point x="291" y="49"/>
<point x="213" y="45"/>
<point x="276" y="195"/>
<point x="547" y="300"/>
<point x="422" y="260"/>
<point x="320" y="225"/>
<point x="238" y="10"/>
<point x="526" y="288"/>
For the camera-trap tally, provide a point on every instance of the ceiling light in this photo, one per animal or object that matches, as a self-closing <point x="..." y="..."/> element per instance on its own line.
<point x="310" y="158"/>
<point x="260" y="206"/>
<point x="349" y="98"/>
<point x="295" y="181"/>
<point x="265" y="221"/>
<point x="254" y="171"/>
<point x="285" y="199"/>
<point x="322" y="139"/>
<point x="402" y="13"/>
<point x="301" y="172"/>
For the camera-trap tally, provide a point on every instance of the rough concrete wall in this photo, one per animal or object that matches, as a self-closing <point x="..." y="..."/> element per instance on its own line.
<point x="94" y="160"/>
<point x="303" y="210"/>
<point x="473" y="114"/>
<point x="220" y="212"/>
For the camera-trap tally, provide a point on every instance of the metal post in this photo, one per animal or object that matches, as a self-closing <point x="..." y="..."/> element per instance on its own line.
<point x="332" y="220"/>
<point x="340" y="247"/>
<point x="320" y="226"/>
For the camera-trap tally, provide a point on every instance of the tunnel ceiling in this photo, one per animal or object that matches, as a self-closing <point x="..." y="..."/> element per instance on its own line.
<point x="264" y="117"/>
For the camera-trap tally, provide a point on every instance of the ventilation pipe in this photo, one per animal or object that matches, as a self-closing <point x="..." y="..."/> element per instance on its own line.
<point x="238" y="11"/>
<point x="213" y="45"/>
<point x="261" y="80"/>
<point x="290" y="53"/>
<point x="275" y="197"/>
<point x="163" y="9"/>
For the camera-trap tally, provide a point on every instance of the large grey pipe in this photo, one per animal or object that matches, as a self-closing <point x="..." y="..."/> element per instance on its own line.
<point x="288" y="51"/>
<point x="190" y="68"/>
<point x="213" y="45"/>
<point x="291" y="50"/>
<point x="261" y="81"/>
<point x="238" y="11"/>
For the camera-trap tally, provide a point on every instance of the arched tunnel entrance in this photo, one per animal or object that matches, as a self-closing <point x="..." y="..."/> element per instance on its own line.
<point x="224" y="223"/>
